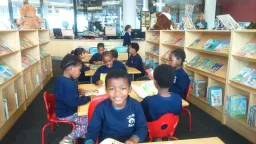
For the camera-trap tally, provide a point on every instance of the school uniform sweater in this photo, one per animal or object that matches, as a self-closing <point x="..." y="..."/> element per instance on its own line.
<point x="67" y="97"/>
<point x="136" y="62"/>
<point x="82" y="75"/>
<point x="103" y="69"/>
<point x="95" y="57"/>
<point x="181" y="83"/>
<point x="127" y="39"/>
<point x="156" y="106"/>
<point x="119" y="64"/>
<point x="119" y="124"/>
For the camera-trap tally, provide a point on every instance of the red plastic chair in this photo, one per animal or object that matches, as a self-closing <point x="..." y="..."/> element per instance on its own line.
<point x="94" y="102"/>
<point x="188" y="111"/>
<point x="50" y="104"/>
<point x="163" y="127"/>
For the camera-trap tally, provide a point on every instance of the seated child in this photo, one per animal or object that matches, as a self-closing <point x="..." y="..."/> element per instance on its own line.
<point x="67" y="97"/>
<point x="106" y="68"/>
<point x="116" y="62"/>
<point x="164" y="102"/>
<point x="181" y="80"/>
<point x="80" y="53"/>
<point x="97" y="58"/>
<point x="135" y="60"/>
<point x="119" y="117"/>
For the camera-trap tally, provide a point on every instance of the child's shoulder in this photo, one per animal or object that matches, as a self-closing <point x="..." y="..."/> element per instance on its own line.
<point x="181" y="72"/>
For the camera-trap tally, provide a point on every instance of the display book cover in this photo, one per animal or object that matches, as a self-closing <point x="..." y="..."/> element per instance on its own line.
<point x="243" y="74"/>
<point x="6" y="113"/>
<point x="251" y="80"/>
<point x="199" y="88"/>
<point x="5" y="72"/>
<point x="214" y="95"/>
<point x="211" y="44"/>
<point x="223" y="46"/>
<point x="4" y="47"/>
<point x="248" y="48"/>
<point x="252" y="117"/>
<point x="25" y="43"/>
<point x="236" y="106"/>
<point x="194" y="43"/>
<point x="146" y="89"/>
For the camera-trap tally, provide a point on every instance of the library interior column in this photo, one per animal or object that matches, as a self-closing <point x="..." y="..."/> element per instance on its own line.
<point x="209" y="12"/>
<point x="145" y="5"/>
<point x="129" y="13"/>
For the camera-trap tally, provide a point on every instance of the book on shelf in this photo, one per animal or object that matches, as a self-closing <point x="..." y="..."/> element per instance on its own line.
<point x="236" y="106"/>
<point x="16" y="99"/>
<point x="146" y="89"/>
<point x="243" y="74"/>
<point x="193" y="61"/>
<point x="252" y="117"/>
<point x="6" y="112"/>
<point x="191" y="77"/>
<point x="27" y="60"/>
<point x="252" y="52"/>
<point x="209" y="65"/>
<point x="42" y="40"/>
<point x="198" y="63"/>
<point x="251" y="80"/>
<point x="215" y="68"/>
<point x="170" y="40"/>
<point x="204" y="63"/>
<point x="223" y="46"/>
<point x="166" y="55"/>
<point x="179" y="42"/>
<point x="5" y="72"/>
<point x="200" y="87"/>
<point x="43" y="53"/>
<point x="194" y="43"/>
<point x="155" y="64"/>
<point x="214" y="96"/>
<point x="4" y="47"/>
<point x="246" y="49"/>
<point x="211" y="44"/>
<point x="25" y="43"/>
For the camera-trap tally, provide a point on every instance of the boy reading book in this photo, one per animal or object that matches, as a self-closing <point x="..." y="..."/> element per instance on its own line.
<point x="119" y="117"/>
<point x="116" y="62"/>
<point x="164" y="102"/>
<point x="181" y="79"/>
<point x="97" y="58"/>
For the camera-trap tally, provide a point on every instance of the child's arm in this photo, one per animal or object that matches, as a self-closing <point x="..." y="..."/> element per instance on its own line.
<point x="135" y="63"/>
<point x="94" y="126"/>
<point x="84" y="68"/>
<point x="93" y="59"/>
<point x="180" y="86"/>
<point x="96" y="77"/>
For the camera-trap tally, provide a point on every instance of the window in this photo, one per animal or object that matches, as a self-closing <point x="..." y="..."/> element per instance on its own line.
<point x="16" y="5"/>
<point x="4" y="14"/>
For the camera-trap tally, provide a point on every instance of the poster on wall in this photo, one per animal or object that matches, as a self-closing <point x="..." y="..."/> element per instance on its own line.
<point x="145" y="20"/>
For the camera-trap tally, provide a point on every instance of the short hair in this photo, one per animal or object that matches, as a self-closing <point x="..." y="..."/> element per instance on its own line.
<point x="180" y="54"/>
<point x="106" y="53"/>
<point x="127" y="27"/>
<point x="164" y="75"/>
<point x="78" y="51"/>
<point x="100" y="45"/>
<point x="70" y="60"/>
<point x="115" y="74"/>
<point x="114" y="53"/>
<point x="201" y="14"/>
<point x="135" y="46"/>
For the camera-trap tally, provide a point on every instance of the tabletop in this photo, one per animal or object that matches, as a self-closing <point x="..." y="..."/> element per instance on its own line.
<point x="83" y="110"/>
<point x="130" y="70"/>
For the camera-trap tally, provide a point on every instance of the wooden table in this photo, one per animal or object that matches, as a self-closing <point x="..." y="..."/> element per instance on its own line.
<point x="83" y="110"/>
<point x="130" y="70"/>
<point x="210" y="140"/>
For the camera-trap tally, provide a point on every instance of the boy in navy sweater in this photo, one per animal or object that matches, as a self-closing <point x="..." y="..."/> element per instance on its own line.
<point x="181" y="80"/>
<point x="67" y="97"/>
<point x="116" y="62"/>
<point x="135" y="60"/>
<point x="106" y="68"/>
<point x="119" y="117"/>
<point x="164" y="102"/>
<point x="127" y="35"/>
<point x="97" y="58"/>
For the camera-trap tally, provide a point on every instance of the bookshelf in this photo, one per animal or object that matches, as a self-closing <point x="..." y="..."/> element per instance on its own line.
<point x="21" y="88"/>
<point x="152" y="50"/>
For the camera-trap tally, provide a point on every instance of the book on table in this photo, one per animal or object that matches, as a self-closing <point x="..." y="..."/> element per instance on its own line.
<point x="146" y="89"/>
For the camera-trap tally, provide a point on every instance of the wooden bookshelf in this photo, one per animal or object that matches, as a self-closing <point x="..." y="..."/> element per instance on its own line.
<point x="152" y="42"/>
<point x="25" y="84"/>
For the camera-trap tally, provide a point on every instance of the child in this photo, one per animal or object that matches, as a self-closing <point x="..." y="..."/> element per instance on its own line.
<point x="119" y="117"/>
<point x="97" y="58"/>
<point x="116" y="62"/>
<point x="106" y="68"/>
<point x="164" y="102"/>
<point x="135" y="60"/>
<point x="80" y="53"/>
<point x="181" y="80"/>
<point x="67" y="97"/>
<point x="127" y="35"/>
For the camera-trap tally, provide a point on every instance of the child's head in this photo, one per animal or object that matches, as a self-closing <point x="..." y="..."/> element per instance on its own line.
<point x="100" y="48"/>
<point x="71" y="66"/>
<point x="128" y="28"/>
<point x="79" y="52"/>
<point x="107" y="59"/>
<point x="118" y="87"/>
<point x="114" y="54"/>
<point x="176" y="58"/>
<point x="163" y="76"/>
<point x="133" y="48"/>
<point x="200" y="16"/>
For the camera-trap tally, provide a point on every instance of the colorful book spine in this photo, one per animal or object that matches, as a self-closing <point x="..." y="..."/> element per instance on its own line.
<point x="37" y="79"/>
<point x="252" y="117"/>
<point x="200" y="87"/>
<point x="16" y="99"/>
<point x="6" y="113"/>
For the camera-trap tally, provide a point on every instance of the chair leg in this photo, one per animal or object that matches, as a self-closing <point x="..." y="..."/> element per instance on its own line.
<point x="52" y="126"/>
<point x="45" y="126"/>
<point x="189" y="119"/>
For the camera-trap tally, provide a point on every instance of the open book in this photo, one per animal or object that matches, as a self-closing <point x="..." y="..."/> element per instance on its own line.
<point x="146" y="89"/>
<point x="112" y="141"/>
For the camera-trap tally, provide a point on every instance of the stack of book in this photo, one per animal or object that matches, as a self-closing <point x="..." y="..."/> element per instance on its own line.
<point x="214" y="96"/>
<point x="236" y="106"/>
<point x="221" y="46"/>
<point x="246" y="76"/>
<point x="4" y="47"/>
<point x="252" y="117"/>
<point x="175" y="41"/>
<point x="43" y="53"/>
<point x="199" y="88"/>
<point x="42" y="40"/>
<point x="27" y="60"/>
<point x="25" y="43"/>
<point x="5" y="72"/>
<point x="205" y="64"/>
<point x="249" y="50"/>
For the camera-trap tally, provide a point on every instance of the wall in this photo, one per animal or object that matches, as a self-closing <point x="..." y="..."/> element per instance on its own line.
<point x="240" y="10"/>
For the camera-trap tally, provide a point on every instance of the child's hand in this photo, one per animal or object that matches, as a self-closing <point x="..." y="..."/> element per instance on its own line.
<point x="132" y="140"/>
<point x="86" y="64"/>
<point x="81" y="91"/>
<point x="99" y="82"/>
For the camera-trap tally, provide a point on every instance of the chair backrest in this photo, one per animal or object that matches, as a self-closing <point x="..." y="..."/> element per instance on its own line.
<point x="50" y="104"/>
<point x="94" y="102"/>
<point x="163" y="127"/>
